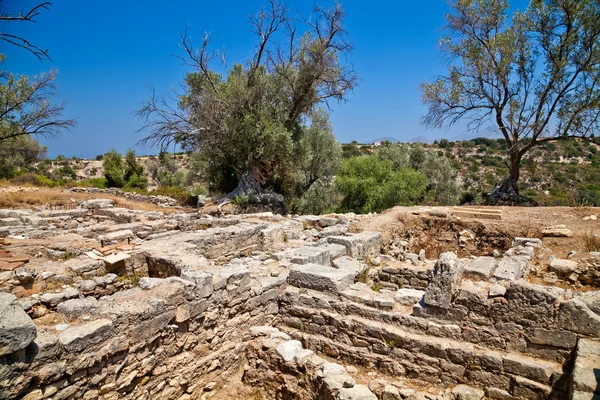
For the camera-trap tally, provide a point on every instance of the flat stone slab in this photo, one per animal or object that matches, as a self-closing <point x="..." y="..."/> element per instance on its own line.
<point x="481" y="267"/>
<point x="319" y="277"/>
<point x="408" y="297"/>
<point x="360" y="245"/>
<point x="562" y="267"/>
<point x="310" y="255"/>
<point x="346" y="263"/>
<point x="79" y="337"/>
<point x="17" y="330"/>
<point x="511" y="268"/>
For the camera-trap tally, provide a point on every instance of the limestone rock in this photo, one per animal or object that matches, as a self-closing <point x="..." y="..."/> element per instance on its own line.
<point x="358" y="392"/>
<point x="408" y="297"/>
<point x="79" y="337"/>
<point x="444" y="281"/>
<point x="481" y="267"/>
<point x="512" y="268"/>
<point x="17" y="330"/>
<point x="562" y="267"/>
<point x="287" y="350"/>
<point x="575" y="316"/>
<point x="557" y="231"/>
<point x="321" y="278"/>
<point x="464" y="392"/>
<point x="360" y="245"/>
<point x="77" y="307"/>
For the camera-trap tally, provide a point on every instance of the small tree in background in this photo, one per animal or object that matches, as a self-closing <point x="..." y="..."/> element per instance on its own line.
<point x="18" y="154"/>
<point x="133" y="174"/>
<point x="113" y="169"/>
<point x="535" y="76"/>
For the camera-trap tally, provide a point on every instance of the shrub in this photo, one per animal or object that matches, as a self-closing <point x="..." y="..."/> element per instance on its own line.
<point x="369" y="184"/>
<point x="178" y="193"/>
<point x="320" y="198"/>
<point x="32" y="179"/>
<point x="113" y="169"/>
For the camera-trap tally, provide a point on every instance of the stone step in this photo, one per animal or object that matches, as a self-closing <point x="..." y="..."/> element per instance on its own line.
<point x="402" y="316"/>
<point x="373" y="344"/>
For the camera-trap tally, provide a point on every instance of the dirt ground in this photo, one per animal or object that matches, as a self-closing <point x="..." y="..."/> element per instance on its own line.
<point x="436" y="235"/>
<point x="30" y="197"/>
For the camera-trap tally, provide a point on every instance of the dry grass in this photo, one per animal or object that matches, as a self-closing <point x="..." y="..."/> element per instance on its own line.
<point x="591" y="241"/>
<point x="30" y="197"/>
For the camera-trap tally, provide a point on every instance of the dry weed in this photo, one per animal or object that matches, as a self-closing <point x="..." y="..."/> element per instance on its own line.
<point x="591" y="241"/>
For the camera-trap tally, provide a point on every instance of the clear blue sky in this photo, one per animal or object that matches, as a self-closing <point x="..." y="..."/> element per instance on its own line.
<point x="108" y="52"/>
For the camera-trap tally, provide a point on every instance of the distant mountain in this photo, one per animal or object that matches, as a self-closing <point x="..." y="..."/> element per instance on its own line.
<point x="488" y="133"/>
<point x="420" y="139"/>
<point x="383" y="139"/>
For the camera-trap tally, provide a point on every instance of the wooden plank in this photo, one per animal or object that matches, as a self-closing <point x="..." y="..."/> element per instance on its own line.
<point x="10" y="266"/>
<point x="16" y="260"/>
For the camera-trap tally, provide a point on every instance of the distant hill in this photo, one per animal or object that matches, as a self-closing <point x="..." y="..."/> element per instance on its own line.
<point x="383" y="139"/>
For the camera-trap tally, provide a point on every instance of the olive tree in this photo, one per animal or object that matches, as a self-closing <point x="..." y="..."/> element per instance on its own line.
<point x="249" y="119"/>
<point x="534" y="74"/>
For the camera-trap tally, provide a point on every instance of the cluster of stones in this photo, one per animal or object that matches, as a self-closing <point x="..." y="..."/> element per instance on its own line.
<point x="162" y="201"/>
<point x="279" y="298"/>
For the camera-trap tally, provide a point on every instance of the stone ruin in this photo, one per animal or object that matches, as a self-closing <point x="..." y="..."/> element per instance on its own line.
<point x="123" y="304"/>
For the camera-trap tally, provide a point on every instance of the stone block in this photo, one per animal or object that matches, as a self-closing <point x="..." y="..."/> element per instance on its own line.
<point x="310" y="255"/>
<point x="360" y="245"/>
<point x="481" y="267"/>
<point x="202" y="279"/>
<point x="76" y="307"/>
<point x="562" y="268"/>
<point x="527" y="242"/>
<point x="464" y="392"/>
<point x="408" y="297"/>
<point x="512" y="268"/>
<point x="17" y="330"/>
<point x="336" y="250"/>
<point x="556" y="338"/>
<point x="321" y="278"/>
<point x="444" y="282"/>
<point x="77" y="338"/>
<point x="534" y="369"/>
<point x="357" y="392"/>
<point x="346" y="263"/>
<point x="574" y="315"/>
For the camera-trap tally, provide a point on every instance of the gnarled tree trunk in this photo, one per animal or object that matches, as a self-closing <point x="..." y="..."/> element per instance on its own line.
<point x="507" y="190"/>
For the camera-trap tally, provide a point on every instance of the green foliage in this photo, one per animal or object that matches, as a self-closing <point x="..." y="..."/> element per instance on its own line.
<point x="134" y="172"/>
<point x="27" y="109"/>
<point x="321" y="198"/>
<point x="113" y="169"/>
<point x="252" y="119"/>
<point x="19" y="154"/>
<point x="369" y="184"/>
<point x="32" y="179"/>
<point x="443" y="185"/>
<point x="166" y="171"/>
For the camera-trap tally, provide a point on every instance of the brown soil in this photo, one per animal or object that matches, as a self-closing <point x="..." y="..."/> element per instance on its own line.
<point x="29" y="197"/>
<point x="436" y="235"/>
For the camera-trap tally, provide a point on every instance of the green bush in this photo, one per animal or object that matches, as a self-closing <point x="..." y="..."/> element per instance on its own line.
<point x="369" y="184"/>
<point x="320" y="198"/>
<point x="32" y="179"/>
<point x="113" y="169"/>
<point x="176" y="192"/>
